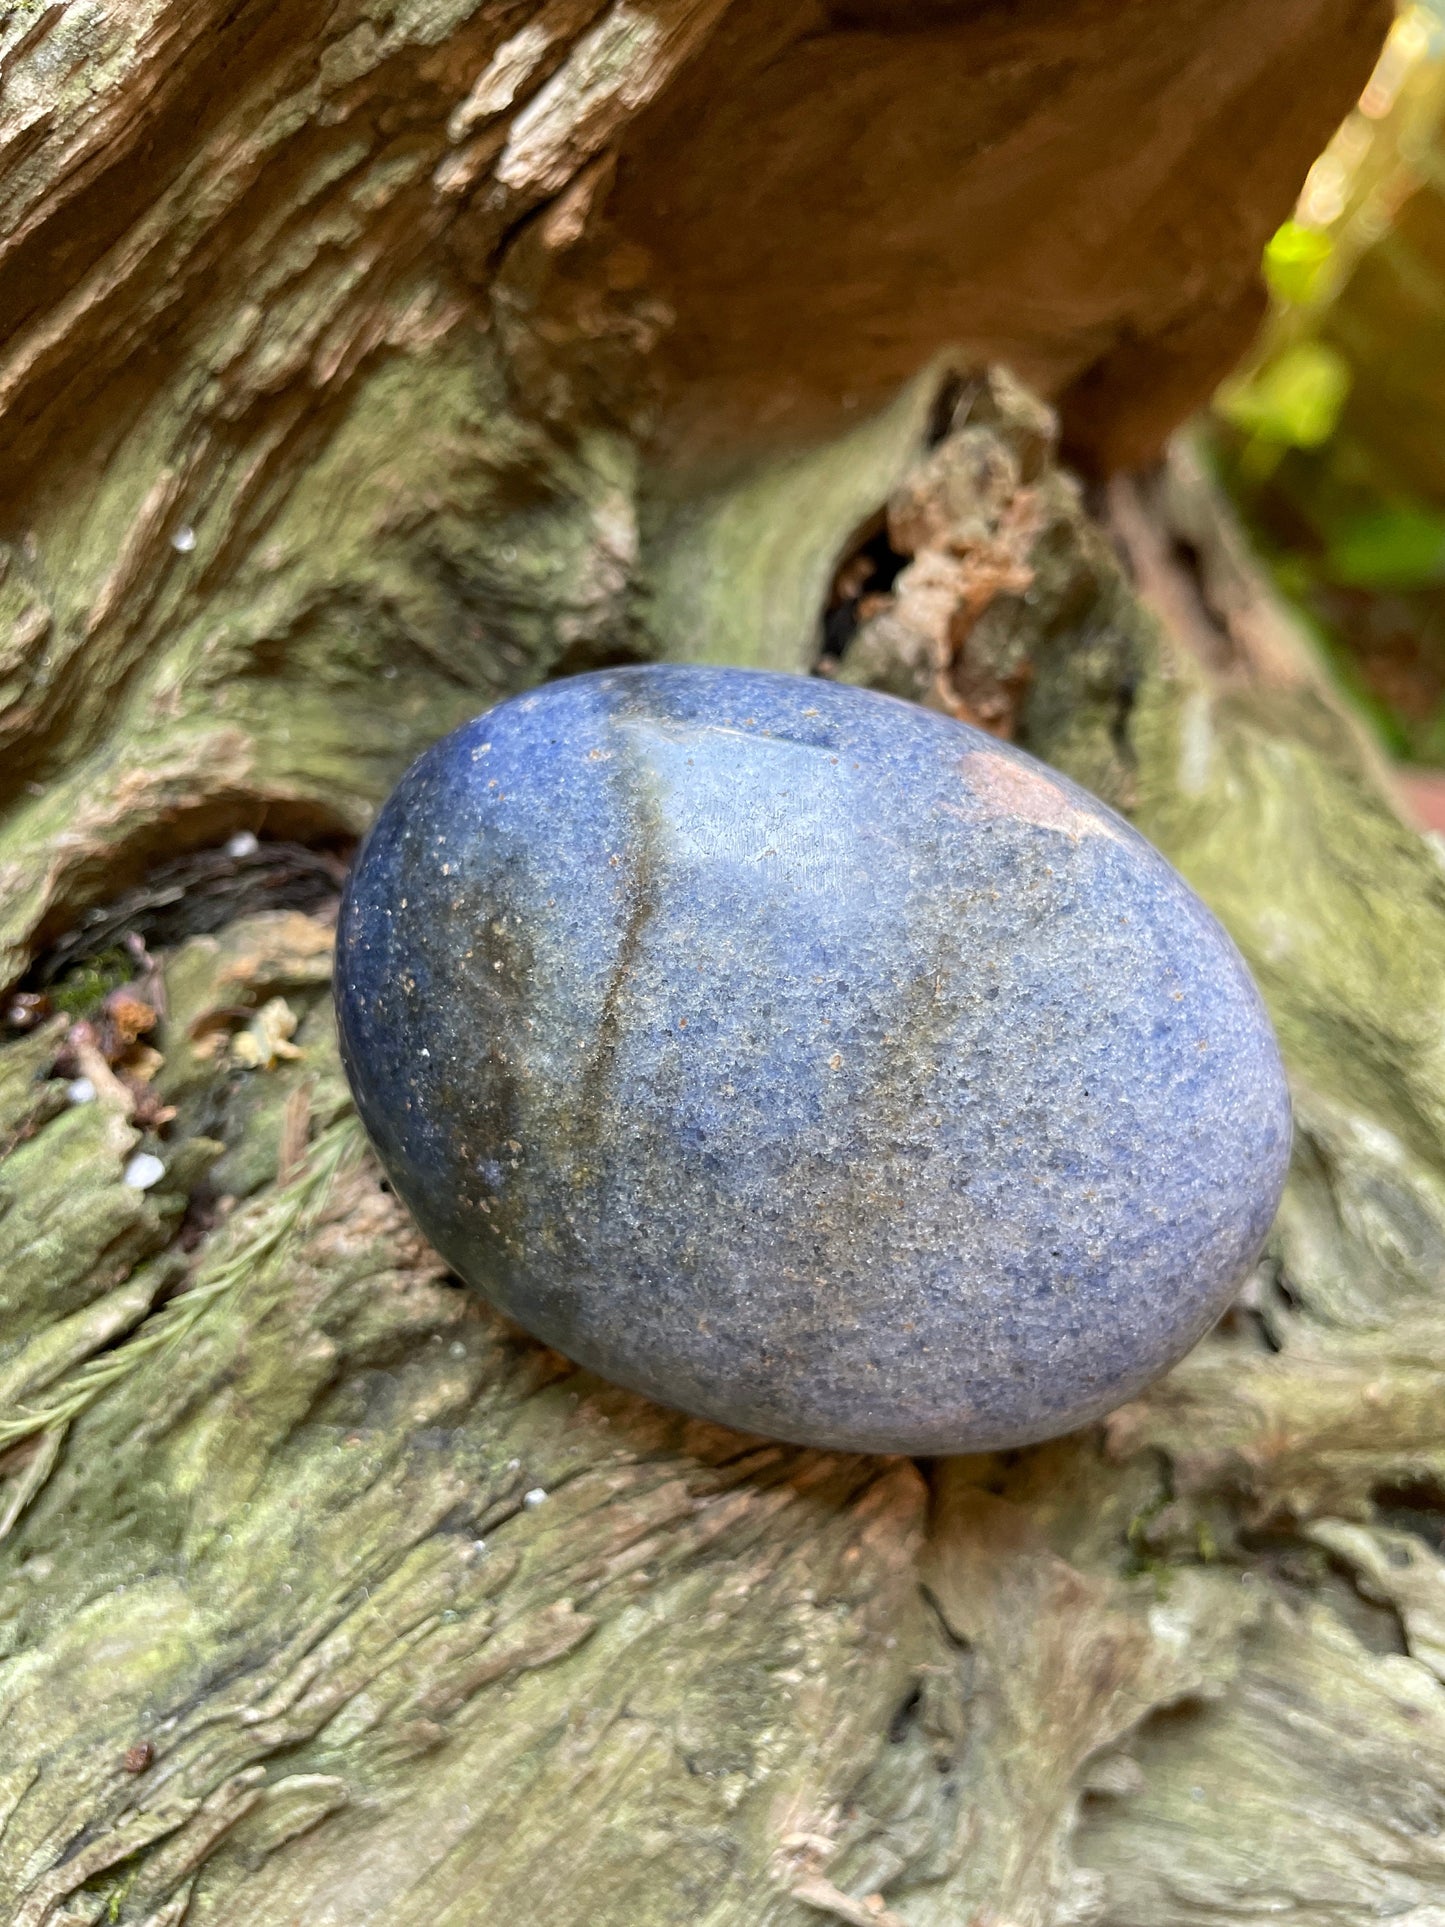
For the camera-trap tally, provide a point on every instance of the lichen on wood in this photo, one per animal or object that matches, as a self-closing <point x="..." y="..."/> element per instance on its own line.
<point x="352" y="380"/>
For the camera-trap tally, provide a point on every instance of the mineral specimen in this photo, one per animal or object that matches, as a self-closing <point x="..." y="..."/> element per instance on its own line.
<point x="806" y="1059"/>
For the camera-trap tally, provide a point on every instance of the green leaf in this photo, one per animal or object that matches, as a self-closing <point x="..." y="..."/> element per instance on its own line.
<point x="1294" y="401"/>
<point x="1401" y="546"/>
<point x="1295" y="262"/>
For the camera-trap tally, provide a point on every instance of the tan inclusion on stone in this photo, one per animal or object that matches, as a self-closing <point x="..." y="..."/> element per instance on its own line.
<point x="1004" y="787"/>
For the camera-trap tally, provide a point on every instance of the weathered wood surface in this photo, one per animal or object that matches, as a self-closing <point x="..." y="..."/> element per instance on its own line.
<point x="326" y="1596"/>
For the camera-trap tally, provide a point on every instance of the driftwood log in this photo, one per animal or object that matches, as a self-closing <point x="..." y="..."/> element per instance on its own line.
<point x="359" y="366"/>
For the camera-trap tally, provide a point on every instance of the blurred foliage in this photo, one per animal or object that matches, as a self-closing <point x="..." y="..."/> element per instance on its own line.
<point x="1332" y="434"/>
<point x="1296" y="261"/>
<point x="1293" y="400"/>
<point x="1399" y="546"/>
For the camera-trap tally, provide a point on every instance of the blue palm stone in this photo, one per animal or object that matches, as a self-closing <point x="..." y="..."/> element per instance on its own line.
<point x="807" y="1060"/>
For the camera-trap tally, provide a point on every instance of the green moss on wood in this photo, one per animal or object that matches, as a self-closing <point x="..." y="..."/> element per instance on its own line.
<point x="265" y="1491"/>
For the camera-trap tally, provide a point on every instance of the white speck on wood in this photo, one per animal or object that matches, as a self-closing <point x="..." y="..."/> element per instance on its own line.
<point x="143" y="1171"/>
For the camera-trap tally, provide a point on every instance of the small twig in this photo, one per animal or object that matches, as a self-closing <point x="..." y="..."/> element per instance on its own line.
<point x="814" y="1891"/>
<point x="91" y="1062"/>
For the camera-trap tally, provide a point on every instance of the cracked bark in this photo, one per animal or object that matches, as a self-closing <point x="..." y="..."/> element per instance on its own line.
<point x="358" y="371"/>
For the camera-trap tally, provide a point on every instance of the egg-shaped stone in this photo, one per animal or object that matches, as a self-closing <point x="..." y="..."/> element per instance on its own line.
<point x="807" y="1060"/>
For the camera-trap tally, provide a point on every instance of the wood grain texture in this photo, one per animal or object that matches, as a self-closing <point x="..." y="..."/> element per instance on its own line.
<point x="352" y="376"/>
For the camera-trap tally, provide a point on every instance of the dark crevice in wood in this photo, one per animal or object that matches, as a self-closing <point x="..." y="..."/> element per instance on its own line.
<point x="198" y="894"/>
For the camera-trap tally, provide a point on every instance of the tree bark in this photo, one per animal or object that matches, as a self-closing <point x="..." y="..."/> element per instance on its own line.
<point x="358" y="371"/>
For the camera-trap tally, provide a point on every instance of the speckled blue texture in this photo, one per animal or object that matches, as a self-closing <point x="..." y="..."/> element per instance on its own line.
<point x="807" y="1060"/>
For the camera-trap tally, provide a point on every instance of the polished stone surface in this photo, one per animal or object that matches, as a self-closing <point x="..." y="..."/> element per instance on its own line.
<point x="807" y="1060"/>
